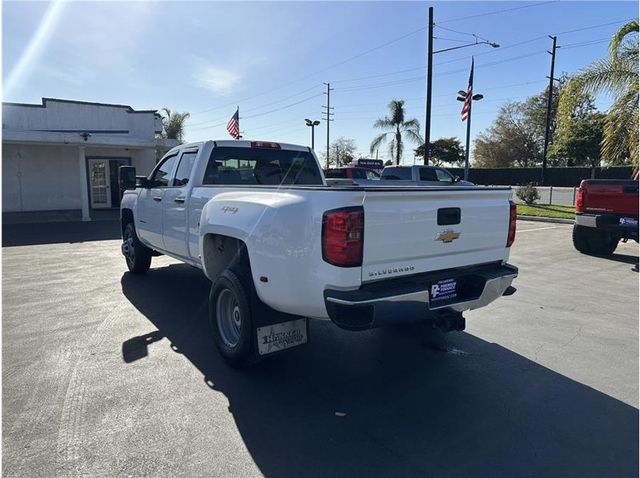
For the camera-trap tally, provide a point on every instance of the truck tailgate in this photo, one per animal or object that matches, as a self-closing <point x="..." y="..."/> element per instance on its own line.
<point x="402" y="234"/>
<point x="611" y="196"/>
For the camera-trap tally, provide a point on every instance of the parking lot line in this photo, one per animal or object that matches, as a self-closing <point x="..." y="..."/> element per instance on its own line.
<point x="538" y="229"/>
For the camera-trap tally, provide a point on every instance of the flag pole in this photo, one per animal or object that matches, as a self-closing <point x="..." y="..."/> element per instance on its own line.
<point x="238" y="136"/>
<point x="466" y="149"/>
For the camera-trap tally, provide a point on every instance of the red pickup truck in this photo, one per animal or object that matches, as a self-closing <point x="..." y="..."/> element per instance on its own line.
<point x="606" y="212"/>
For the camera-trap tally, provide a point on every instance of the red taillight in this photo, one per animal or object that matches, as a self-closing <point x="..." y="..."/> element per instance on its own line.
<point x="342" y="236"/>
<point x="580" y="197"/>
<point x="513" y="216"/>
<point x="264" y="144"/>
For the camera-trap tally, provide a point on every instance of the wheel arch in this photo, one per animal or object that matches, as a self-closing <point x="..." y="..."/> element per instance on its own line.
<point x="126" y="217"/>
<point x="221" y="252"/>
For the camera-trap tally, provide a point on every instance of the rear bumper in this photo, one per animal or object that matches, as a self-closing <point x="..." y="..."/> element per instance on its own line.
<point x="609" y="222"/>
<point x="407" y="299"/>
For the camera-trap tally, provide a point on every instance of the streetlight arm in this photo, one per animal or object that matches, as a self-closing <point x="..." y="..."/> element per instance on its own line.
<point x="494" y="45"/>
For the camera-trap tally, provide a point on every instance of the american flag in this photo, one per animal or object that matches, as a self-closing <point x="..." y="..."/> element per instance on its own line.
<point x="233" y="126"/>
<point x="466" y="107"/>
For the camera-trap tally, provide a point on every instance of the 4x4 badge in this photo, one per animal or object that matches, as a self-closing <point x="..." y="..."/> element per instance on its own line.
<point x="447" y="236"/>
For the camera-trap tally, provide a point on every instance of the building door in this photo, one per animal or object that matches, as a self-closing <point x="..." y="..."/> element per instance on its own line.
<point x="99" y="183"/>
<point x="114" y="172"/>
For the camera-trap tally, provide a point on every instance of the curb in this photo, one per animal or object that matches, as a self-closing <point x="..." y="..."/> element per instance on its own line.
<point x="545" y="219"/>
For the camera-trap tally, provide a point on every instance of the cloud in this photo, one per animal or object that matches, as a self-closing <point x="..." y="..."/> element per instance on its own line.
<point x="219" y="80"/>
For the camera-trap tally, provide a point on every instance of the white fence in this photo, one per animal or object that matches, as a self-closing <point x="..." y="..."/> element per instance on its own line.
<point x="552" y="195"/>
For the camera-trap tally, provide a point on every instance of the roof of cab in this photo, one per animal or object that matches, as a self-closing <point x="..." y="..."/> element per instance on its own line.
<point x="237" y="144"/>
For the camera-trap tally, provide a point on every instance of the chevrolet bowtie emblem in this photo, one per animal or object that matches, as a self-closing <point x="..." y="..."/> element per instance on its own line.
<point x="447" y="236"/>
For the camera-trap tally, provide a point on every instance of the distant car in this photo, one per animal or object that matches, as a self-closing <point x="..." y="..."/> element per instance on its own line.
<point x="422" y="176"/>
<point x="352" y="173"/>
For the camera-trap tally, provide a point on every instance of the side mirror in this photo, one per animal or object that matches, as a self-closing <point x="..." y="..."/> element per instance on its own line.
<point x="127" y="177"/>
<point x="456" y="179"/>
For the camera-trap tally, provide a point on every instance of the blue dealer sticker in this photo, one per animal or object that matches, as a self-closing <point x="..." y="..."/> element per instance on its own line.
<point x="444" y="289"/>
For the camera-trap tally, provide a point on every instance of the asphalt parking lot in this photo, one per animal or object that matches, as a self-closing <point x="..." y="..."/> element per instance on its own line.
<point x="109" y="374"/>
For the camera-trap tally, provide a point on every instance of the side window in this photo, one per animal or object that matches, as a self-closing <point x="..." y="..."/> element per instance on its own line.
<point x="372" y="175"/>
<point x="444" y="176"/>
<point x="162" y="172"/>
<point x="397" y="173"/>
<point x="184" y="168"/>
<point x="428" y="174"/>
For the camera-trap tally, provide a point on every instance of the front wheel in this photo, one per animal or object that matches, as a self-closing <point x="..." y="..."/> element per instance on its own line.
<point x="230" y="318"/>
<point x="137" y="255"/>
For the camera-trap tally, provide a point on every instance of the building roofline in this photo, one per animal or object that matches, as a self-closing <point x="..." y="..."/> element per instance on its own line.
<point x="79" y="102"/>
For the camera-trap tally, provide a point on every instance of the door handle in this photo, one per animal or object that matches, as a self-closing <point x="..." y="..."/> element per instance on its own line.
<point x="180" y="199"/>
<point x="157" y="198"/>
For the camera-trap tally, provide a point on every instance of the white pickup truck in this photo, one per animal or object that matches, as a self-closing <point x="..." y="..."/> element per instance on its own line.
<point x="281" y="246"/>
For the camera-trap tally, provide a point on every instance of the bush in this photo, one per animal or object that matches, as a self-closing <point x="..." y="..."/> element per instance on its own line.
<point x="528" y="194"/>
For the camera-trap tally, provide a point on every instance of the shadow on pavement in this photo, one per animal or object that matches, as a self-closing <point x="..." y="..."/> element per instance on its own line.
<point x="625" y="258"/>
<point x="409" y="410"/>
<point x="59" y="232"/>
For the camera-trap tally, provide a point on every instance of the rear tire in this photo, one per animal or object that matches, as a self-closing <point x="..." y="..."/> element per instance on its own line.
<point x="589" y="240"/>
<point x="137" y="255"/>
<point x="580" y="239"/>
<point x="603" y="243"/>
<point x="231" y="319"/>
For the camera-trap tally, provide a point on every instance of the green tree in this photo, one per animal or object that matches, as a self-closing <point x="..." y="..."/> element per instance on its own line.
<point x="577" y="139"/>
<point x="398" y="129"/>
<point x="617" y="76"/>
<point x="173" y="124"/>
<point x="444" y="150"/>
<point x="513" y="140"/>
<point x="341" y="152"/>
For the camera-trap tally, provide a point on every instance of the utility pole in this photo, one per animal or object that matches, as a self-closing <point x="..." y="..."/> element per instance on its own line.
<point x="327" y="115"/>
<point x="427" y="122"/>
<point x="549" y="103"/>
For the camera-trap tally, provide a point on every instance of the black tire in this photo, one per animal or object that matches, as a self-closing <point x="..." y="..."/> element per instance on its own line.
<point x="592" y="241"/>
<point x="580" y="239"/>
<point x="230" y="317"/>
<point x="137" y="255"/>
<point x="603" y="243"/>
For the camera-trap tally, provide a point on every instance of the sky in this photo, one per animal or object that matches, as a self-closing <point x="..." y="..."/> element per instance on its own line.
<point x="272" y="59"/>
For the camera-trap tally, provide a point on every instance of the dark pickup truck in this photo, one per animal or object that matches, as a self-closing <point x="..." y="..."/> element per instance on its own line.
<point x="606" y="212"/>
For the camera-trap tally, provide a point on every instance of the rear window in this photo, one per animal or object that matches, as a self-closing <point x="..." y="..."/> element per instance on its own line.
<point x="336" y="173"/>
<point x="397" y="173"/>
<point x="261" y="166"/>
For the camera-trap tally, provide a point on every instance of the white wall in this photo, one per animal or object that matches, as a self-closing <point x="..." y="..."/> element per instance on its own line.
<point x="40" y="178"/>
<point x="47" y="178"/>
<point x="69" y="115"/>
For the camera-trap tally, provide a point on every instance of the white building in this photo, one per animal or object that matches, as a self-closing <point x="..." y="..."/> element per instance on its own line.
<point x="63" y="155"/>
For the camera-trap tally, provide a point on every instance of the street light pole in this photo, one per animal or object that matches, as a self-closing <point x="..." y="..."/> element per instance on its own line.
<point x="430" y="53"/>
<point x="427" y="121"/>
<point x="312" y="124"/>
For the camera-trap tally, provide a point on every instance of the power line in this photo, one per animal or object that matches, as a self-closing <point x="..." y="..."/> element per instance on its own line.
<point x="586" y="43"/>
<point x="282" y="108"/>
<point x="498" y="11"/>
<point x="593" y="26"/>
<point x="261" y="114"/>
<point x="259" y="107"/>
<point x="437" y="25"/>
<point x="531" y="40"/>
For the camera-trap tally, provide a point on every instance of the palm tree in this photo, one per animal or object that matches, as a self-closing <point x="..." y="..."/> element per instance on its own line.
<point x="398" y="128"/>
<point x="173" y="124"/>
<point x="616" y="75"/>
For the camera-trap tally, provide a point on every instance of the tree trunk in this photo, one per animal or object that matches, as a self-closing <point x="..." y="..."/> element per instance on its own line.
<point x="398" y="143"/>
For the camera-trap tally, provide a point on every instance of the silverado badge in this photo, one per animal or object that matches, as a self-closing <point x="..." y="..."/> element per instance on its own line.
<point x="447" y="236"/>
